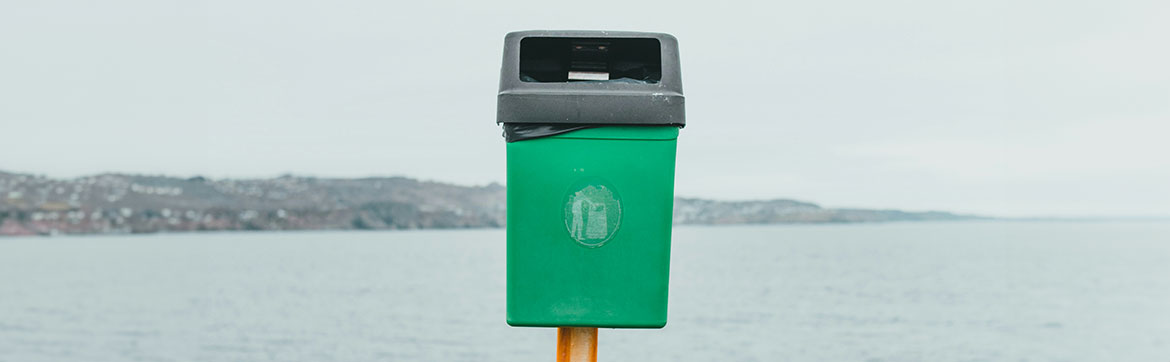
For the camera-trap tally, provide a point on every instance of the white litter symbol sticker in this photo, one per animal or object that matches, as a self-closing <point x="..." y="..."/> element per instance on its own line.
<point x="593" y="213"/>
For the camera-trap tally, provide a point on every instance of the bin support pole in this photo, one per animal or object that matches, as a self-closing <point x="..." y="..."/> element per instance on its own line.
<point x="576" y="344"/>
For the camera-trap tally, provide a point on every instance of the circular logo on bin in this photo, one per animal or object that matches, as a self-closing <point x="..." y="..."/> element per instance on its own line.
<point x="593" y="212"/>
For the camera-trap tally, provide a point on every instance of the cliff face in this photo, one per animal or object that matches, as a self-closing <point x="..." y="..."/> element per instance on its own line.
<point x="114" y="203"/>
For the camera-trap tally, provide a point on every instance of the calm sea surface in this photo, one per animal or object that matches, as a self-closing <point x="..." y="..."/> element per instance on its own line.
<point x="973" y="291"/>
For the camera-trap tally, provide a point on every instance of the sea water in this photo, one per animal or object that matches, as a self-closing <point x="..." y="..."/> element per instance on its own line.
<point x="954" y="291"/>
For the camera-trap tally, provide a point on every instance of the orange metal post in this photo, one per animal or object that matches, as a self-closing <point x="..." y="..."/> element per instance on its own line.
<point x="576" y="344"/>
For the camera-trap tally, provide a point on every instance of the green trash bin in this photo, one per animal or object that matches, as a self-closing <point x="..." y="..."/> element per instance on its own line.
<point x="592" y="120"/>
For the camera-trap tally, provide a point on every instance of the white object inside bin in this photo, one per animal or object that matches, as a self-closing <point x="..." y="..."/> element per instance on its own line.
<point x="577" y="75"/>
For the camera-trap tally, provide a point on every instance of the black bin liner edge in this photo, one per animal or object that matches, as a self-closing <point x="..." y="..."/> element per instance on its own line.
<point x="515" y="132"/>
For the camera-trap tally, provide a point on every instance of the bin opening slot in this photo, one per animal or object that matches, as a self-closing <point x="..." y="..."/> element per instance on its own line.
<point x="559" y="60"/>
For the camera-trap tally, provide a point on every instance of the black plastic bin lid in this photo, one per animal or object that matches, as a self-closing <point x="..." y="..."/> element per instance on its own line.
<point x="573" y="79"/>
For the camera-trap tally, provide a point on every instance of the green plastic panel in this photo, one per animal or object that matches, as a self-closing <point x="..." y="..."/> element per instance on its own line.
<point x="589" y="221"/>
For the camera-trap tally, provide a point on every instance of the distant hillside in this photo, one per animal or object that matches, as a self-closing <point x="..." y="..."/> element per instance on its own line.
<point x="699" y="211"/>
<point x="115" y="203"/>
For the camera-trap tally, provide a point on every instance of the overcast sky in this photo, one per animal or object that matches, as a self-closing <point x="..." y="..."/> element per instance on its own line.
<point x="1056" y="108"/>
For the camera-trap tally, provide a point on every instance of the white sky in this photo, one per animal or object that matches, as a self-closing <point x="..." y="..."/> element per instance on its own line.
<point x="1053" y="108"/>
